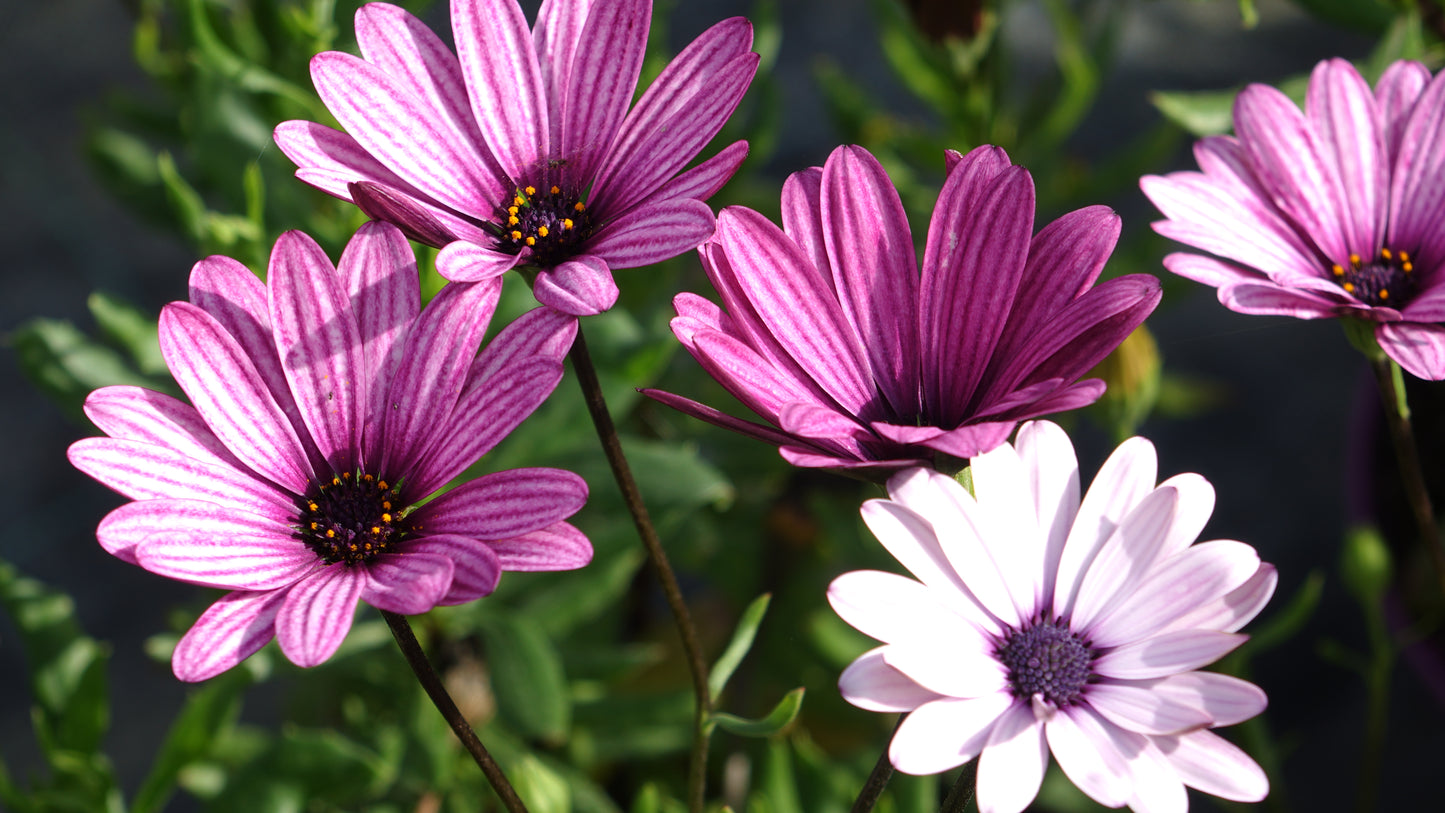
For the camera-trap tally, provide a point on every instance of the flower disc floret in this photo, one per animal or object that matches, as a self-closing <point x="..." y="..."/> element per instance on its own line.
<point x="550" y="224"/>
<point x="1046" y="659"/>
<point x="352" y="519"/>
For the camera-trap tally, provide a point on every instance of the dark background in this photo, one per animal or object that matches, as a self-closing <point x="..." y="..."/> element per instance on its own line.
<point x="1275" y="447"/>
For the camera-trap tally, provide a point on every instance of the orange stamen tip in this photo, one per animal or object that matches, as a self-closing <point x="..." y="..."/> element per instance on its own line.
<point x="1384" y="254"/>
<point x="531" y="190"/>
<point x="1338" y="269"/>
<point x="541" y="231"/>
<point x="567" y="224"/>
<point x="516" y="235"/>
<point x="1354" y="259"/>
<point x="1384" y="294"/>
<point x="1349" y="287"/>
<point x="556" y="190"/>
<point x="1407" y="267"/>
<point x="531" y="241"/>
<point x="578" y="206"/>
<point x="512" y="221"/>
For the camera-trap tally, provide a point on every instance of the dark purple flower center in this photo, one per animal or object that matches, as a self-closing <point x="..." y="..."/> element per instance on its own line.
<point x="551" y="223"/>
<point x="352" y="519"/>
<point x="1388" y="279"/>
<point x="1048" y="659"/>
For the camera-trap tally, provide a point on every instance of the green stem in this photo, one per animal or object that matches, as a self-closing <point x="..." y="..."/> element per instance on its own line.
<point x="877" y="778"/>
<point x="416" y="658"/>
<point x="1377" y="687"/>
<point x="963" y="789"/>
<point x="622" y="473"/>
<point x="1407" y="455"/>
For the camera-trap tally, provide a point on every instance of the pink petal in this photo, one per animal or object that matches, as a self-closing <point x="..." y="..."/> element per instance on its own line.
<point x="317" y="613"/>
<point x="1137" y="706"/>
<point x="652" y="232"/>
<point x="505" y="504"/>
<point x="803" y="218"/>
<point x="1268" y="299"/>
<point x="229" y="553"/>
<point x="320" y="345"/>
<point x="581" y="286"/>
<point x="1166" y="654"/>
<point x="154" y="418"/>
<point x="1124" y="559"/>
<point x="131" y="524"/>
<point x="145" y="472"/>
<point x="555" y="36"/>
<point x="559" y="546"/>
<point x="1233" y="611"/>
<point x="964" y="668"/>
<point x="1087" y="752"/>
<point x="1049" y="462"/>
<point x="1396" y="92"/>
<point x="1011" y="766"/>
<point x="464" y="261"/>
<point x="1342" y="110"/>
<point x="1420" y="349"/>
<point x="1416" y="197"/>
<point x="540" y="332"/>
<point x="223" y="384"/>
<point x="509" y="98"/>
<point x="1208" y="762"/>
<point x="1196" y="577"/>
<point x="705" y="179"/>
<point x="886" y="606"/>
<point x="870" y="683"/>
<point x="475" y="566"/>
<point x="228" y="632"/>
<point x="875" y="272"/>
<point x="817" y="422"/>
<point x="409" y="583"/>
<point x="601" y="80"/>
<point x="716" y="417"/>
<point x="944" y="734"/>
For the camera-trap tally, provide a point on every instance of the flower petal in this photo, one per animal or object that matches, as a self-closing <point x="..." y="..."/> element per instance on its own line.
<point x="1142" y="707"/>
<point x="475" y="566"/>
<point x="142" y="471"/>
<point x="1166" y="654"/>
<point x="317" y="614"/>
<point x="226" y="552"/>
<point x="870" y="683"/>
<point x="601" y="80"/>
<point x="1196" y="577"/>
<point x="1234" y="610"/>
<point x="1011" y="766"/>
<point x="652" y="232"/>
<point x="228" y="632"/>
<point x="465" y="261"/>
<point x="705" y="179"/>
<point x="1052" y="468"/>
<point x="946" y="733"/>
<point x="1208" y="762"/>
<point x="965" y="667"/>
<point x="1342" y="110"/>
<point x="504" y="80"/>
<point x="409" y="583"/>
<point x="1420" y="349"/>
<point x="505" y="504"/>
<point x="1087" y="753"/>
<point x="154" y="418"/>
<point x="559" y="546"/>
<point x="581" y="286"/>
<point x="131" y="524"/>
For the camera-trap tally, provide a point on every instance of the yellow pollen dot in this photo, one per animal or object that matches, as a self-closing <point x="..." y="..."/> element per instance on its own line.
<point x="346" y="475"/>
<point x="386" y="517"/>
<point x="556" y="190"/>
<point x="381" y="484"/>
<point x="531" y="241"/>
<point x="518" y="200"/>
<point x="313" y="526"/>
<point x="386" y="505"/>
<point x="578" y="206"/>
<point x="531" y="190"/>
<point x="1384" y="254"/>
<point x="512" y="221"/>
<point x="567" y="224"/>
<point x="336" y="481"/>
<point x="1404" y="256"/>
<point x="1384" y="294"/>
<point x="1349" y="287"/>
<point x="367" y="546"/>
<point x="367" y="477"/>
<point x="1355" y="260"/>
<point x="541" y="231"/>
<point x="516" y="235"/>
<point x="330" y="533"/>
<point x="376" y="529"/>
<point x="511" y="210"/>
<point x="351" y="547"/>
<point x="312" y="506"/>
<point x="1407" y="267"/>
<point x="1338" y="269"/>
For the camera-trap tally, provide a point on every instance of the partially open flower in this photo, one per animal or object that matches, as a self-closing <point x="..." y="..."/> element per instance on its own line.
<point x="325" y="407"/>
<point x="1040" y="623"/>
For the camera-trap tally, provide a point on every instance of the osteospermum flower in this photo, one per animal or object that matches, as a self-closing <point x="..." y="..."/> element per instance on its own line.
<point x="1329" y="212"/>
<point x="323" y="409"/>
<point x="520" y="149"/>
<point x="1039" y="623"/>
<point x="828" y="331"/>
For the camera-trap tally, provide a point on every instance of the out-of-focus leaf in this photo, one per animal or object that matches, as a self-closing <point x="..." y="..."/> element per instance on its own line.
<point x="125" y="326"/>
<point x="66" y="365"/>
<point x="1132" y="373"/>
<point x="304" y="765"/>
<point x="779" y="786"/>
<point x="209" y="713"/>
<point x="527" y="677"/>
<point x="1288" y="620"/>
<point x="572" y="598"/>
<point x="738" y="647"/>
<point x="1201" y="113"/>
<point x="1370" y="16"/>
<point x="540" y="787"/>
<point x="775" y="721"/>
<point x="834" y="640"/>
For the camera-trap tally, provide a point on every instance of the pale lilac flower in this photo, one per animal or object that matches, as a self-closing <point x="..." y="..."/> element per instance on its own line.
<point x="520" y="149"/>
<point x="324" y="408"/>
<point x="828" y="331"/>
<point x="1334" y="211"/>
<point x="1039" y="623"/>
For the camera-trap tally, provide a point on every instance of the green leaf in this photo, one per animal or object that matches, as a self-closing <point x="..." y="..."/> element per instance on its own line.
<point x="67" y="365"/>
<point x="775" y="721"/>
<point x="738" y="647"/>
<point x="779" y="784"/>
<point x="130" y="329"/>
<point x="1290" y="619"/>
<point x="527" y="677"/>
<point x="306" y="766"/>
<point x="1200" y="113"/>
<point x="209" y="714"/>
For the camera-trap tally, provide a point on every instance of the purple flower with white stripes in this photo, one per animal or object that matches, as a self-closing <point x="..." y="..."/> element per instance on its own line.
<point x="520" y="149"/>
<point x="828" y="331"/>
<point x="1333" y="211"/>
<point x="325" y="405"/>
<point x="1041" y="623"/>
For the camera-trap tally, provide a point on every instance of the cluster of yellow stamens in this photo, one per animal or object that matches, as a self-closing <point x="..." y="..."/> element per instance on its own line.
<point x="350" y="519"/>
<point x="1387" y="279"/>
<point x="551" y="223"/>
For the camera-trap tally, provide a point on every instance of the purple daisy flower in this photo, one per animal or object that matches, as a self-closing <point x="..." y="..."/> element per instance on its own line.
<point x="1333" y="211"/>
<point x="827" y="330"/>
<point x="1041" y="623"/>
<point x="520" y="149"/>
<point x="324" y="408"/>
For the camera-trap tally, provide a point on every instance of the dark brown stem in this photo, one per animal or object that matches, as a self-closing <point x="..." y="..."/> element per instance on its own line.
<point x="411" y="650"/>
<point x="963" y="789"/>
<point x="622" y="473"/>
<point x="1407" y="455"/>
<point x="877" y="779"/>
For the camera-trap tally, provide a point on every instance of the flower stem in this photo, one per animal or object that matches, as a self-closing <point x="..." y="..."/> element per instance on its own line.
<point x="963" y="789"/>
<point x="622" y="473"/>
<point x="1407" y="455"/>
<point x="411" y="650"/>
<point x="877" y="779"/>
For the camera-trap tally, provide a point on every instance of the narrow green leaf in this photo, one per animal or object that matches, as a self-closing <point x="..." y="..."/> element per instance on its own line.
<point x="186" y="202"/>
<point x="775" y="721"/>
<point x="133" y="331"/>
<point x="1290" y="619"/>
<point x="527" y="677"/>
<point x="738" y="647"/>
<point x="1200" y="113"/>
<point x="66" y="365"/>
<point x="209" y="714"/>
